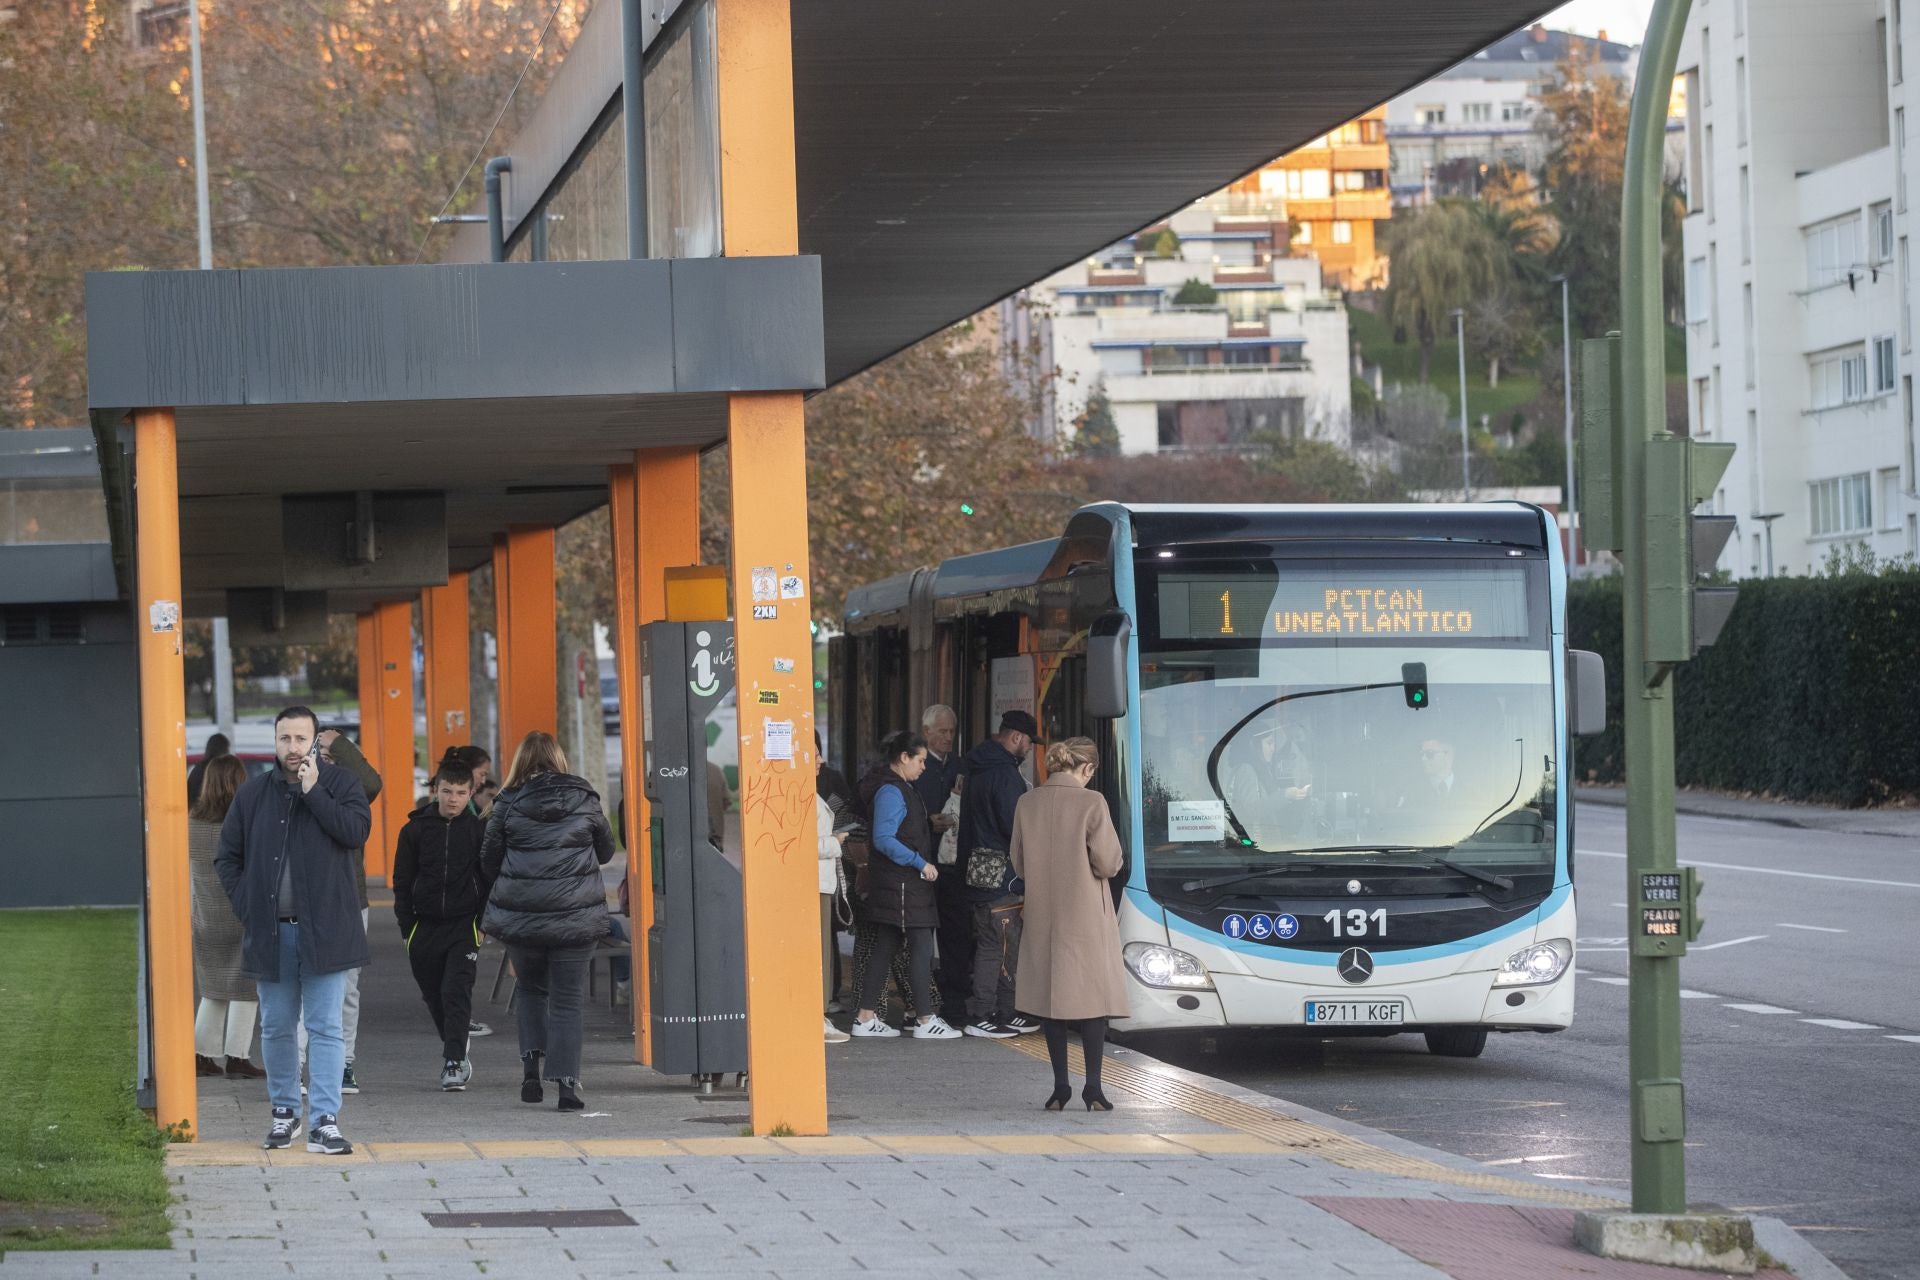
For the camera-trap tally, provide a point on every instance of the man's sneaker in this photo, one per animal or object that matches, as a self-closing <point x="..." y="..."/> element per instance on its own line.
<point x="834" y="1034"/>
<point x="478" y="1029"/>
<point x="934" y="1028"/>
<point x="348" y="1084"/>
<point x="454" y="1076"/>
<point x="990" y="1029"/>
<point x="874" y="1028"/>
<point x="1020" y="1024"/>
<point x="286" y="1127"/>
<point x="325" y="1138"/>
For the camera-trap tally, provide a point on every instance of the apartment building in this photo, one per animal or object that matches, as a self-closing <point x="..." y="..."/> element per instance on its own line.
<point x="1480" y="112"/>
<point x="1333" y="195"/>
<point x="1210" y="339"/>
<point x="1798" y="295"/>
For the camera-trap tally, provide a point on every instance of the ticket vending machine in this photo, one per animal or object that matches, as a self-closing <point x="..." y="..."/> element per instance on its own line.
<point x="696" y="964"/>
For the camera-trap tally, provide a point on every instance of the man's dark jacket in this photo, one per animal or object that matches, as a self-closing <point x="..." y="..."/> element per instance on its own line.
<point x="546" y="841"/>
<point x="436" y="868"/>
<point x="935" y="782"/>
<point x="994" y="786"/>
<point x="322" y="831"/>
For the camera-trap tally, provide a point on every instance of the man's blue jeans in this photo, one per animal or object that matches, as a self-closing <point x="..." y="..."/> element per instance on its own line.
<point x="320" y="994"/>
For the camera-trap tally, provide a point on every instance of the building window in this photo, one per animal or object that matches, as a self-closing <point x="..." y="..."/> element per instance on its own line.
<point x="1746" y="215"/>
<point x="1889" y="499"/>
<point x="1753" y="339"/>
<point x="1880" y="217"/>
<point x="1476" y="112"/>
<point x="1697" y="291"/>
<point x="1430" y="114"/>
<point x="1310" y="184"/>
<point x="1843" y="504"/>
<point x="1702" y="406"/>
<point x="1837" y="377"/>
<point x="1740" y="101"/>
<point x="1713" y="292"/>
<point x="159" y="24"/>
<point x="1706" y="193"/>
<point x="1696" y="166"/>
<point x="1260" y="357"/>
<point x="1303" y="233"/>
<point x="1883" y="370"/>
<point x="1706" y="67"/>
<point x="1518" y="110"/>
<point x="1833" y="249"/>
<point x="1343" y="232"/>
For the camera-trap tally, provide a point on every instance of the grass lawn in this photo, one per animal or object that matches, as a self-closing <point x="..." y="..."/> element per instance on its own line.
<point x="80" y="1165"/>
<point x="1401" y="363"/>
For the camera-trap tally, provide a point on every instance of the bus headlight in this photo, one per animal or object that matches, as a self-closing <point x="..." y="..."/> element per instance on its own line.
<point x="1164" y="967"/>
<point x="1541" y="963"/>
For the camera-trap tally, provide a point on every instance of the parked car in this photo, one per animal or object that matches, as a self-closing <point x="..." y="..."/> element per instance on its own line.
<point x="610" y="703"/>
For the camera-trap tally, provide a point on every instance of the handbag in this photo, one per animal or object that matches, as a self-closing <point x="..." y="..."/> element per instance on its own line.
<point x="987" y="868"/>
<point x="855" y="854"/>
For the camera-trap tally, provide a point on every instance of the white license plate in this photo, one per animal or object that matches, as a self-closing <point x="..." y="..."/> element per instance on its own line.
<point x="1356" y="1013"/>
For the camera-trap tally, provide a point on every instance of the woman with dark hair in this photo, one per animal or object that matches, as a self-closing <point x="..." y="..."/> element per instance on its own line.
<point x="229" y="1002"/>
<point x="1070" y="975"/>
<point x="900" y="877"/>
<point x="546" y="841"/>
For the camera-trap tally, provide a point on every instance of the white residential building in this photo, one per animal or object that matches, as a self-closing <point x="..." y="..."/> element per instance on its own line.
<point x="1269" y="354"/>
<point x="1798" y="297"/>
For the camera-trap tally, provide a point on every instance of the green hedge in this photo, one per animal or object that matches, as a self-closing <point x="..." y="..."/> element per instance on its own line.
<point x="1804" y="695"/>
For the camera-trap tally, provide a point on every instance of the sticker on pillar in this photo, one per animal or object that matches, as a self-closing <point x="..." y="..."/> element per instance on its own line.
<point x="792" y="587"/>
<point x="765" y="612"/>
<point x="776" y="741"/>
<point x="769" y="697"/>
<point x="163" y="616"/>
<point x="783" y="665"/>
<point x="766" y="582"/>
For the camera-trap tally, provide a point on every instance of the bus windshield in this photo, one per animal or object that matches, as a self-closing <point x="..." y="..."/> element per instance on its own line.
<point x="1281" y="728"/>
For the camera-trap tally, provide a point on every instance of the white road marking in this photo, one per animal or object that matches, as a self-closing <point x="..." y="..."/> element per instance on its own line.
<point x="1908" y="1039"/>
<point x="1761" y="1008"/>
<point x="1768" y="871"/>
<point x="1491" y="1164"/>
<point x="1730" y="942"/>
<point x="1810" y="928"/>
<point x="1841" y="1024"/>
<point x="1699" y="995"/>
<point x="1621" y="905"/>
<point x="1613" y="982"/>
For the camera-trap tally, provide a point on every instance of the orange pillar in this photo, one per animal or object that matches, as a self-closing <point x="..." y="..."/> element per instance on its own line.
<point x="530" y="696"/>
<point x="502" y="658"/>
<point x="443" y="632"/>
<point x="766" y="442"/>
<point x="163" y="768"/>
<point x="656" y="526"/>
<point x="393" y="623"/>
<point x="366" y="650"/>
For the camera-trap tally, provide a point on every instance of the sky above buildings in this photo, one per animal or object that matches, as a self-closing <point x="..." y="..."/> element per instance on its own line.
<point x="1622" y="20"/>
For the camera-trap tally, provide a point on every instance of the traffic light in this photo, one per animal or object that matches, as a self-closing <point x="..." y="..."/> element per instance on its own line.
<point x="966" y="508"/>
<point x="1413" y="682"/>
<point x="1682" y="616"/>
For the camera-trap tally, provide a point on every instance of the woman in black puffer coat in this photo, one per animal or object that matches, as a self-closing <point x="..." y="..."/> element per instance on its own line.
<point x="546" y="840"/>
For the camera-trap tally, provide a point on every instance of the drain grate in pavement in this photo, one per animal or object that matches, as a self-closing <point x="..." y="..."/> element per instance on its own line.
<point x="527" y="1218"/>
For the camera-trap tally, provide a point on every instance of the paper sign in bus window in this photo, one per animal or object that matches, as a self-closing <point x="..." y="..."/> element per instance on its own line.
<point x="1192" y="820"/>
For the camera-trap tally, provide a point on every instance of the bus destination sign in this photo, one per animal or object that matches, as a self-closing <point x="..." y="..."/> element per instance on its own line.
<point x="1360" y="602"/>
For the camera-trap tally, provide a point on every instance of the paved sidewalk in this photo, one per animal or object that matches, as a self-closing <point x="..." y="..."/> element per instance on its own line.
<point x="1895" y="822"/>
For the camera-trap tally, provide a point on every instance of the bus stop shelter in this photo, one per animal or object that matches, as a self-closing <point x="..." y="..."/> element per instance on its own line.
<point x="826" y="184"/>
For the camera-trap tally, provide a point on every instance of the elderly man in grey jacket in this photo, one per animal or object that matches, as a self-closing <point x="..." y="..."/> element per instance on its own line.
<point x="289" y="852"/>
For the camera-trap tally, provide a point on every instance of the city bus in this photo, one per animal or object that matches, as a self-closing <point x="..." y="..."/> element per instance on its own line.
<point x="1334" y="741"/>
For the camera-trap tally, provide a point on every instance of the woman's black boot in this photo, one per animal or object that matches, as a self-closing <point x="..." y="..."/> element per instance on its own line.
<point x="1058" y="1102"/>
<point x="530" y="1090"/>
<point x="570" y="1099"/>
<point x="1096" y="1100"/>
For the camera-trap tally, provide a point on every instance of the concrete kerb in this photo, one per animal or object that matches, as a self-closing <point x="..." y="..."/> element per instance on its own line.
<point x="1898" y="824"/>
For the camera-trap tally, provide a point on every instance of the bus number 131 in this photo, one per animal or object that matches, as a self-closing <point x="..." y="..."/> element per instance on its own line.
<point x="1353" y="923"/>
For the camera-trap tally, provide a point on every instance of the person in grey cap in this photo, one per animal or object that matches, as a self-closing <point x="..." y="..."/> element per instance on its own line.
<point x="994" y="785"/>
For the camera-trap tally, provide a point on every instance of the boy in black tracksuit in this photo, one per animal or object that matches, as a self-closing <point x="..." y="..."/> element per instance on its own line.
<point x="438" y="896"/>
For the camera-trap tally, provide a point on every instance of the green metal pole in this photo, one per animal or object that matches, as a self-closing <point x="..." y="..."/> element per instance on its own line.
<point x="1653" y="1000"/>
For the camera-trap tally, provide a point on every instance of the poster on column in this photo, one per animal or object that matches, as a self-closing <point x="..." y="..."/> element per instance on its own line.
<point x="1012" y="689"/>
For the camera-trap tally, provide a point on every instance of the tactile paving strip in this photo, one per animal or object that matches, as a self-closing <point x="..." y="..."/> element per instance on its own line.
<point x="1299" y="1135"/>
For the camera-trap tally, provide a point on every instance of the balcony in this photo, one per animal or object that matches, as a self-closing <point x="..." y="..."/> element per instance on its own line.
<point x="1244" y="273"/>
<point x="1361" y="156"/>
<point x="1116" y="275"/>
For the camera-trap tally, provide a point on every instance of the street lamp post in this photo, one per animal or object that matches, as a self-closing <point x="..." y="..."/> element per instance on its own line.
<point x="1460" y="342"/>
<point x="1766" y="522"/>
<point x="1566" y="378"/>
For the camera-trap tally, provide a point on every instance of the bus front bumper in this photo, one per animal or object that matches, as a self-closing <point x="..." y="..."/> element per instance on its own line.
<point x="1452" y="1000"/>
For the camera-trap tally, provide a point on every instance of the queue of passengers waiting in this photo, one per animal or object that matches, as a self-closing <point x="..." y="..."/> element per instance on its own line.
<point x="1009" y="885"/>
<point x="931" y="855"/>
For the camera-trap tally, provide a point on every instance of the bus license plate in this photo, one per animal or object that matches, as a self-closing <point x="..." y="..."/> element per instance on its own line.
<point x="1356" y="1013"/>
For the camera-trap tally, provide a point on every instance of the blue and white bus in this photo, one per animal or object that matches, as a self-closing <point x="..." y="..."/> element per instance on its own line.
<point x="1334" y="740"/>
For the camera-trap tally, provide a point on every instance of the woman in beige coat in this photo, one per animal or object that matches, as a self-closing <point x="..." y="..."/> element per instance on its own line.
<point x="1069" y="973"/>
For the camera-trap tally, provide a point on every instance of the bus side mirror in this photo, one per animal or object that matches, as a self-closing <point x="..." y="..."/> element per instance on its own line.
<point x="1107" y="644"/>
<point x="1586" y="693"/>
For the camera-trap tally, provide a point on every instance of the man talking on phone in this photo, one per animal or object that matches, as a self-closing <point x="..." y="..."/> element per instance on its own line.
<point x="288" y="857"/>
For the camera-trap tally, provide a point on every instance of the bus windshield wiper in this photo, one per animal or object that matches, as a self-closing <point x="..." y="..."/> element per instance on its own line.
<point x="1432" y="860"/>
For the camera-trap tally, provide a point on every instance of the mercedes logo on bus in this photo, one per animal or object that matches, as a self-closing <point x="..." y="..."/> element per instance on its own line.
<point x="1356" y="965"/>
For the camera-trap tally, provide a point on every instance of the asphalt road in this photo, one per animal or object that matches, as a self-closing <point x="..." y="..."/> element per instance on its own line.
<point x="1801" y="1014"/>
